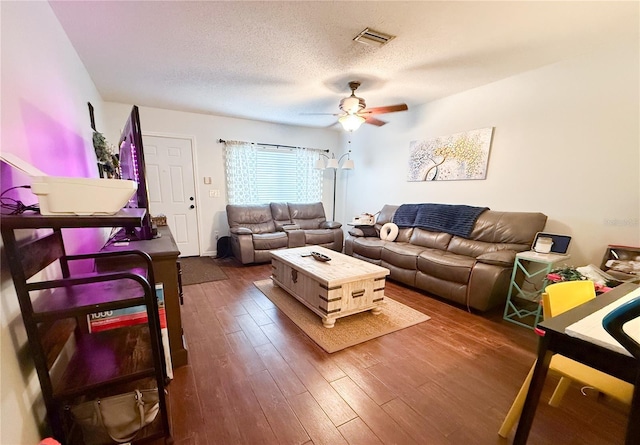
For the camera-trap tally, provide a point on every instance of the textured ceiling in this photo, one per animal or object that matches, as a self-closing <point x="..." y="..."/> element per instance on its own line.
<point x="274" y="60"/>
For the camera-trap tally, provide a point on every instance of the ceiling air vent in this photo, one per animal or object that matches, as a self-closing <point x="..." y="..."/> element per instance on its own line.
<point x="373" y="37"/>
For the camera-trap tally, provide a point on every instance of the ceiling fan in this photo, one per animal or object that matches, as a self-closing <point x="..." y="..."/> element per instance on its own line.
<point x="354" y="111"/>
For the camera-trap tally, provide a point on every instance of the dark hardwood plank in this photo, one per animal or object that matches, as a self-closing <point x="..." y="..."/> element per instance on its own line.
<point x="242" y="404"/>
<point x="219" y="420"/>
<point x="282" y="419"/>
<point x="252" y="330"/>
<point x="185" y="404"/>
<point x="387" y="430"/>
<point x="414" y="424"/>
<point x="287" y="380"/>
<point x="227" y="321"/>
<point x="375" y="388"/>
<point x="256" y="312"/>
<point x="335" y="406"/>
<point x="319" y="427"/>
<point x="246" y="356"/>
<point x="358" y="433"/>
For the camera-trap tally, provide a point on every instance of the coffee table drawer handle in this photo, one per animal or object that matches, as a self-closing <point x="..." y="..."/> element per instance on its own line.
<point x="357" y="293"/>
<point x="294" y="275"/>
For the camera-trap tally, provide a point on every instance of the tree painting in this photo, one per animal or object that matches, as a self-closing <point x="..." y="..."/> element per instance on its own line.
<point x="454" y="157"/>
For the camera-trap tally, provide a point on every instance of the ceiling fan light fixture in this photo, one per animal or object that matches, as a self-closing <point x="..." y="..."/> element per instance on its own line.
<point x="352" y="104"/>
<point x="351" y="122"/>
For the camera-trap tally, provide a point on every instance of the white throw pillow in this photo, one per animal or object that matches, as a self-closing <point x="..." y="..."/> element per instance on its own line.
<point x="389" y="232"/>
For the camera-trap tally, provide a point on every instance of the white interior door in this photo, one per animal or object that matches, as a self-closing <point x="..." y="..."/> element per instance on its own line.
<point x="170" y="179"/>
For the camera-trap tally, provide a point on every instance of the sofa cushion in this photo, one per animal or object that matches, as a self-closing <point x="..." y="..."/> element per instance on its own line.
<point x="456" y="292"/>
<point x="319" y="236"/>
<point x="368" y="247"/>
<point x="467" y="247"/>
<point x="268" y="241"/>
<point x="427" y="238"/>
<point x="406" y="276"/>
<point x="403" y="255"/>
<point x="307" y="216"/>
<point x="404" y="234"/>
<point x="280" y="214"/>
<point x="256" y="217"/>
<point x="364" y="258"/>
<point x="508" y="227"/>
<point x="445" y="265"/>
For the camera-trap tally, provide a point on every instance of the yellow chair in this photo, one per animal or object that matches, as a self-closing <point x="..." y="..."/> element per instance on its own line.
<point x="556" y="299"/>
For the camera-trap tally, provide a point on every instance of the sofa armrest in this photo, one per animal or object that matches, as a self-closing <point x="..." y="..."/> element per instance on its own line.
<point x="504" y="258"/>
<point x="356" y="232"/>
<point x="364" y="231"/>
<point x="330" y="225"/>
<point x="296" y="238"/>
<point x="240" y="231"/>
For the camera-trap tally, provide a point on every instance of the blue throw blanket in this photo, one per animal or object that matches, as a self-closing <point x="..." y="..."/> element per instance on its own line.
<point x="454" y="219"/>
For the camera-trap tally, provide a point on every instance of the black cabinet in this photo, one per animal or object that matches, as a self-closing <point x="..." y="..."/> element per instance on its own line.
<point x="73" y="364"/>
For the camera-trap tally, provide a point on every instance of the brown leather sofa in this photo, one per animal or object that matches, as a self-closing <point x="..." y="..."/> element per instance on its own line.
<point x="473" y="271"/>
<point x="256" y="230"/>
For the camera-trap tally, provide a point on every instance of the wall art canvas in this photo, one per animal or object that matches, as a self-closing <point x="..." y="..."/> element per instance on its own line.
<point x="449" y="158"/>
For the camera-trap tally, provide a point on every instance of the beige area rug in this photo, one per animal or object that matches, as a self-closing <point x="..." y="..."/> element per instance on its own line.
<point x="200" y="269"/>
<point x="348" y="331"/>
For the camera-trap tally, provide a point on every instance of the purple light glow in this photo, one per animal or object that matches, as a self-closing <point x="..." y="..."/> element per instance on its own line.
<point x="54" y="148"/>
<point x="49" y="143"/>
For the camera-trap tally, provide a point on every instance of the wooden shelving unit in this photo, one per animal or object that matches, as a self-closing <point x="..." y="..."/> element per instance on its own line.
<point x="55" y="310"/>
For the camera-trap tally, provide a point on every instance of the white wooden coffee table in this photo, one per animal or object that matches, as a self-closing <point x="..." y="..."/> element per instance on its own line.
<point x="332" y="289"/>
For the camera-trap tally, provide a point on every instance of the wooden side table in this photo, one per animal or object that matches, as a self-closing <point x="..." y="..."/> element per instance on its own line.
<point x="522" y="304"/>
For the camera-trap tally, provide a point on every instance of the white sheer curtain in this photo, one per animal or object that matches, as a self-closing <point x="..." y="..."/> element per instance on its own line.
<point x="259" y="174"/>
<point x="241" y="161"/>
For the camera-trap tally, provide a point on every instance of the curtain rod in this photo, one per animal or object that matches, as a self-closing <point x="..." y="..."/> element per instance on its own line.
<point x="222" y="141"/>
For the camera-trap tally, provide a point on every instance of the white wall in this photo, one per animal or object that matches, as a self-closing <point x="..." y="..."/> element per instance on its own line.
<point x="206" y="130"/>
<point x="45" y="121"/>
<point x="566" y="143"/>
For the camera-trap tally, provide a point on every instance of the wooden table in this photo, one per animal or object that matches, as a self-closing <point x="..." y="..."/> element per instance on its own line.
<point x="556" y="340"/>
<point x="164" y="255"/>
<point x="332" y="289"/>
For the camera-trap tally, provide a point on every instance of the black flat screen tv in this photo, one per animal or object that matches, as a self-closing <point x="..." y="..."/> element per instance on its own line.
<point x="132" y="167"/>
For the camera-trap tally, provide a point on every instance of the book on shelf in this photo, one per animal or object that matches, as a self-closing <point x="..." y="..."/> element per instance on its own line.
<point x="131" y="316"/>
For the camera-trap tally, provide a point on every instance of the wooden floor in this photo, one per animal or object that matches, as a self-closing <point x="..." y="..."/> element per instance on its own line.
<point x="254" y="378"/>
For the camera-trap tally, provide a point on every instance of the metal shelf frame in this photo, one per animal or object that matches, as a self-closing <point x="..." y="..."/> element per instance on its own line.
<point x="515" y="311"/>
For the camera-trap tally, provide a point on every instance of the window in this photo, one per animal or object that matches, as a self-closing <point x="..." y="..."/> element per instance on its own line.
<point x="259" y="174"/>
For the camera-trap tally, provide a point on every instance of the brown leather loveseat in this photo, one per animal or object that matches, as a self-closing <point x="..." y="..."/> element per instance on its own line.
<point x="472" y="270"/>
<point x="256" y="230"/>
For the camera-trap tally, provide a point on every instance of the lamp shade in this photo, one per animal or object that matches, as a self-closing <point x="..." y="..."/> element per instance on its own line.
<point x="351" y="122"/>
<point x="348" y="165"/>
<point x="332" y="163"/>
<point x="319" y="164"/>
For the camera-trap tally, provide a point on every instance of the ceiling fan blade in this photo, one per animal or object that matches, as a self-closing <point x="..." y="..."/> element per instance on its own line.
<point x="319" y="114"/>
<point x="373" y="121"/>
<point x="387" y="109"/>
